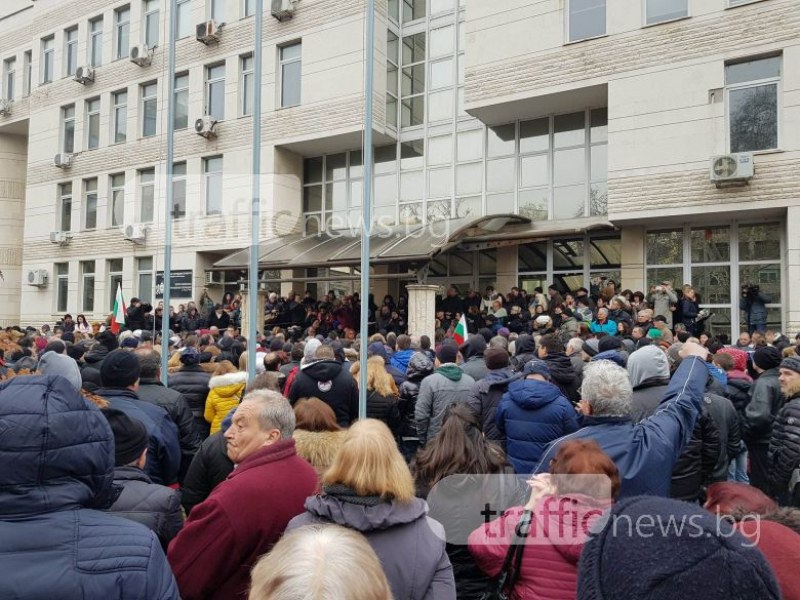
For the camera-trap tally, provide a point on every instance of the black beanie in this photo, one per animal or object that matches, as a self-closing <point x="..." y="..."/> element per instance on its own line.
<point x="120" y="369"/>
<point x="496" y="358"/>
<point x="767" y="357"/>
<point x="447" y="353"/>
<point x="609" y="342"/>
<point x="107" y="339"/>
<point x="130" y="436"/>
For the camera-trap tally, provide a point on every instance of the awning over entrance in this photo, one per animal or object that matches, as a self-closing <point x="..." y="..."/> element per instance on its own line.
<point x="415" y="244"/>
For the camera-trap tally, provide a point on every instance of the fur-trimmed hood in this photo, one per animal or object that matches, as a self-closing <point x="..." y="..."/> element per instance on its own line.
<point x="319" y="448"/>
<point x="237" y="378"/>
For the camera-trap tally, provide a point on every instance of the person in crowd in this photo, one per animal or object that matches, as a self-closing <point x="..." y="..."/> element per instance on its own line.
<point x="82" y="325"/>
<point x="447" y="385"/>
<point x="210" y="467"/>
<point x="674" y="561"/>
<point x="152" y="390"/>
<point x="645" y="453"/>
<point x="317" y="435"/>
<point x="551" y="350"/>
<point x="382" y="393"/>
<point x="602" y="324"/>
<point x="753" y="302"/>
<point x="663" y="299"/>
<point x="689" y="306"/>
<point x="325" y="378"/>
<point x="783" y="454"/>
<point x="485" y="395"/>
<point x="766" y="400"/>
<point x="582" y="477"/>
<point x="218" y="317"/>
<point x="136" y="317"/>
<point x="120" y="376"/>
<point x="400" y="358"/>
<point x="662" y="325"/>
<point x="524" y="351"/>
<point x="225" y="391"/>
<point x="726" y="420"/>
<point x="157" y="507"/>
<point x="533" y="413"/>
<point x="648" y="369"/>
<point x="191" y="381"/>
<point x="245" y="516"/>
<point x="320" y="562"/>
<point x="419" y="367"/>
<point x="56" y="478"/>
<point x="369" y="488"/>
<point x="473" y="350"/>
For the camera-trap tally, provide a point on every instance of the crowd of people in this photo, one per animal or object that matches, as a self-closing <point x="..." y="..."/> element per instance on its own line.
<point x="525" y="458"/>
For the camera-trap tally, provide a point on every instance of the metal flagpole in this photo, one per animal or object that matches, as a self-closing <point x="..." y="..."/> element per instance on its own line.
<point x="366" y="205"/>
<point x="173" y="26"/>
<point x="255" y="213"/>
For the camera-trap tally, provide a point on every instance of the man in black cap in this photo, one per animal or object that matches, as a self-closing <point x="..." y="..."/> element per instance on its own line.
<point x="784" y="445"/>
<point x="154" y="506"/>
<point x="766" y="400"/>
<point x="135" y="318"/>
<point x="120" y="376"/>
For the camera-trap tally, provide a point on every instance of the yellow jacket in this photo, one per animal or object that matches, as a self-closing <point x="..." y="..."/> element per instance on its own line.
<point x="225" y="392"/>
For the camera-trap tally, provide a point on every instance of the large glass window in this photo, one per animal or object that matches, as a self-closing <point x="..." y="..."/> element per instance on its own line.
<point x="149" y="93"/>
<point x="144" y="269"/>
<point x="48" y="58"/>
<point x="179" y="190"/>
<point x="753" y="107"/>
<point x="71" y="51"/>
<point x="586" y="19"/>
<point x="212" y="170"/>
<point x="117" y="205"/>
<point x="114" y="280"/>
<point x="68" y="129"/>
<point x="216" y="10"/>
<point x="291" y="68"/>
<point x="147" y="195"/>
<point x="658" y="11"/>
<point x="90" y="203"/>
<point x="92" y="123"/>
<point x="181" y="101"/>
<point x="215" y="91"/>
<point x="122" y="33"/>
<point x="9" y="76"/>
<point x="151" y="25"/>
<point x="65" y="207"/>
<point x="96" y="42"/>
<point x="87" y="286"/>
<point x="412" y="80"/>
<point x="184" y="14"/>
<point x="246" y="90"/>
<point x="62" y="283"/>
<point x="411" y="10"/>
<point x="333" y="190"/>
<point x="120" y="121"/>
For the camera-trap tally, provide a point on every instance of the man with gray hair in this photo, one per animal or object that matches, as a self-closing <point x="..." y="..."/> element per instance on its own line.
<point x="246" y="514"/>
<point x="645" y="453"/>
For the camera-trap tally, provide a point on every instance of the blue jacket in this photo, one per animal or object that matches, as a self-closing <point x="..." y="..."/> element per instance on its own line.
<point x="645" y="453"/>
<point x="399" y="359"/>
<point x="609" y="327"/>
<point x="163" y="448"/>
<point x="56" y="465"/>
<point x="532" y="414"/>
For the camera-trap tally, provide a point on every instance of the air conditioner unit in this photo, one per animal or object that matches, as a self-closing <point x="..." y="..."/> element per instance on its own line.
<point x="136" y="233"/>
<point x="141" y="55"/>
<point x="206" y="126"/>
<point x="84" y="75"/>
<point x="62" y="238"/>
<point x="732" y="168"/>
<point x="62" y="161"/>
<point x="5" y="106"/>
<point x="214" y="278"/>
<point x="283" y="10"/>
<point x="208" y="32"/>
<point x="37" y="277"/>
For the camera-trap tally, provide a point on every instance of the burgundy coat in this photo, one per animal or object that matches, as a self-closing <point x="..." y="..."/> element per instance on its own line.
<point x="240" y="521"/>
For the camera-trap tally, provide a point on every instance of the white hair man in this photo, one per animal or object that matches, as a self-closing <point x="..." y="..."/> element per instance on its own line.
<point x="645" y="453"/>
<point x="573" y="350"/>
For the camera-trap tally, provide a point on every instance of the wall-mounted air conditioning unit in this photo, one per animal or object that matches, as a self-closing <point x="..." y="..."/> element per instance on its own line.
<point x="732" y="168"/>
<point x="62" y="238"/>
<point x="283" y="10"/>
<point x="206" y="126"/>
<point x="214" y="278"/>
<point x="84" y="75"/>
<point x="62" y="160"/>
<point x="5" y="106"/>
<point x="208" y="32"/>
<point x="37" y="277"/>
<point x="141" y="55"/>
<point x="136" y="233"/>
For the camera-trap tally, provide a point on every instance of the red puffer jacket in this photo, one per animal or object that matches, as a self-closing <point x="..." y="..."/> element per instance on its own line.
<point x="559" y="527"/>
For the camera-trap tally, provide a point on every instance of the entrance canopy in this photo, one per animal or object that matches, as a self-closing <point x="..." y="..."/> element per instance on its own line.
<point x="415" y="244"/>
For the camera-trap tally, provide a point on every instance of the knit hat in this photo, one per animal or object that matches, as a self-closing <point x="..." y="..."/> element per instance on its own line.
<point x="130" y="342"/>
<point x="496" y="358"/>
<point x="504" y="331"/>
<point x="536" y="367"/>
<point x="190" y="356"/>
<point x="638" y="555"/>
<point x="609" y="342"/>
<point x="378" y="349"/>
<point x="654" y="334"/>
<point x="611" y="355"/>
<point x="120" y="369"/>
<point x="447" y="353"/>
<point x="767" y="357"/>
<point x="591" y="347"/>
<point x="792" y="363"/>
<point x="276" y="345"/>
<point x="130" y="436"/>
<point x="739" y="358"/>
<point x="53" y="363"/>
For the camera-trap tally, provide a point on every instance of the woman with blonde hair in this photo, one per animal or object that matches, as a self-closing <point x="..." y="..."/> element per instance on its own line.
<point x="320" y="562"/>
<point x="225" y="391"/>
<point x="383" y="398"/>
<point x="317" y="435"/>
<point x="370" y="489"/>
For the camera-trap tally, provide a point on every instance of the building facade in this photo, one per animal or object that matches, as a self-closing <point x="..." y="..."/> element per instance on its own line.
<point x="595" y="120"/>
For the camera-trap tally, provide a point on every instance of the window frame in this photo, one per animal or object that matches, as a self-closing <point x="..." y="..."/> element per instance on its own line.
<point x="143" y="103"/>
<point x="246" y="75"/>
<point x="65" y="120"/>
<point x="282" y="64"/>
<point x="9" y="78"/>
<point x="142" y="184"/>
<point x="89" y="189"/>
<point x="116" y="108"/>
<point x="95" y="42"/>
<point x="113" y="190"/>
<point x="423" y="63"/>
<point x="181" y="90"/>
<point x="114" y="277"/>
<point x="207" y="175"/>
<point x="208" y="84"/>
<point x="147" y="14"/>
<point x="213" y="7"/>
<point x="62" y="277"/>
<point x="244" y="6"/>
<point x="145" y="272"/>
<point x="663" y="21"/>
<point x="777" y="81"/>
<point x="179" y="179"/>
<point x="567" y="19"/>
<point x="119" y="27"/>
<point x="48" y="53"/>
<point x="90" y="115"/>
<point x="70" y="51"/>
<point x="85" y="277"/>
<point x="180" y="7"/>
<point x="64" y="196"/>
<point x="27" y="65"/>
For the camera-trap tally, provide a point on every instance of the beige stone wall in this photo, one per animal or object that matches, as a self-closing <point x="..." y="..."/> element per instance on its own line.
<point x="13" y="152"/>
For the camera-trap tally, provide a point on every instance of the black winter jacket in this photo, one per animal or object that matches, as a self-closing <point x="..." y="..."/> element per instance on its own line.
<point x="484" y="398"/>
<point x="192" y="322"/>
<point x="191" y="381"/>
<point x="725" y="418"/>
<point x="210" y="467"/>
<point x="784" y="446"/>
<point x="331" y="383"/>
<point x="698" y="460"/>
<point x="135" y="318"/>
<point x="563" y="375"/>
<point x="524" y="351"/>
<point x="154" y="506"/>
<point x="419" y="367"/>
<point x="384" y="408"/>
<point x="738" y="391"/>
<point x="765" y="402"/>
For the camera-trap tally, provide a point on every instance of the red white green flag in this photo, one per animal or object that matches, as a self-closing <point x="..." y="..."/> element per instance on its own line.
<point x="120" y="312"/>
<point x="460" y="334"/>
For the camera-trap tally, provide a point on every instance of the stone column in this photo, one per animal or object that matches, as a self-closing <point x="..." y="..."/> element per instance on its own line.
<point x="791" y="301"/>
<point x="422" y="309"/>
<point x="632" y="251"/>
<point x="261" y="298"/>
<point x="13" y="168"/>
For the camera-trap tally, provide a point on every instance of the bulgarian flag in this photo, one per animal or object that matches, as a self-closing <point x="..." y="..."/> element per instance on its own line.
<point x="118" y="316"/>
<point x="460" y="334"/>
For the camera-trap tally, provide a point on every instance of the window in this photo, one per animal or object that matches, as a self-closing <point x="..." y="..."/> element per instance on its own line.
<point x="9" y="74"/>
<point x="96" y="42"/>
<point x="181" y="101"/>
<point x="149" y="108"/>
<point x="246" y="90"/>
<point x="212" y="169"/>
<point x="120" y="124"/>
<point x="392" y="77"/>
<point x="68" y="129"/>
<point x="333" y="189"/>
<point x="122" y="17"/>
<point x="71" y="50"/>
<point x="62" y="286"/>
<point x="586" y="19"/>
<point x="184" y="14"/>
<point x="90" y="204"/>
<point x="291" y="71"/>
<point x="144" y="268"/>
<point x="147" y="194"/>
<point x="215" y="92"/>
<point x="65" y="207"/>
<point x="659" y="11"/>
<point x="179" y="190"/>
<point x="248" y="8"/>
<point x="151" y="29"/>
<point x="412" y="10"/>
<point x="117" y="206"/>
<point x="92" y="123"/>
<point x="48" y="58"/>
<point x="87" y="286"/>
<point x="114" y="280"/>
<point x="412" y="80"/>
<point x="28" y="66"/>
<point x="753" y="109"/>
<point x="216" y="10"/>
